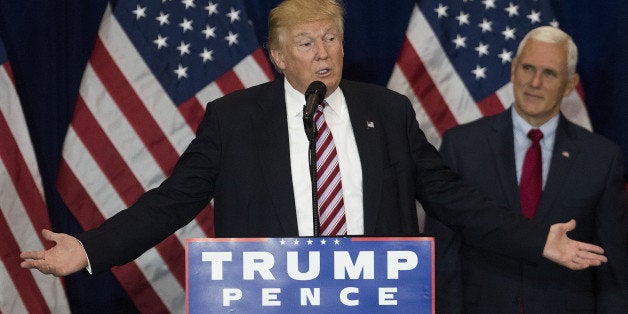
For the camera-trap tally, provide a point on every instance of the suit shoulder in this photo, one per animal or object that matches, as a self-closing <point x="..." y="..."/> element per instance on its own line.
<point x="372" y="91"/>
<point x="473" y="127"/>
<point x="240" y="99"/>
<point x="591" y="140"/>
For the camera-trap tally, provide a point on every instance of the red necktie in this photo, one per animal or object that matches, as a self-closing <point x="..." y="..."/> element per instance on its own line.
<point x="531" y="185"/>
<point x="331" y="206"/>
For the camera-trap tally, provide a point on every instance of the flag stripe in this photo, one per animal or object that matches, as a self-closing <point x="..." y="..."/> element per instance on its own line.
<point x="108" y="158"/>
<point x="129" y="275"/>
<point x="262" y="61"/>
<point x="23" y="209"/>
<point x="423" y="86"/>
<point x="133" y="108"/>
<point x="10" y="301"/>
<point x="147" y="87"/>
<point x="192" y="111"/>
<point x="229" y="82"/>
<point x="21" y="179"/>
<point x="88" y="186"/>
<point x="23" y="280"/>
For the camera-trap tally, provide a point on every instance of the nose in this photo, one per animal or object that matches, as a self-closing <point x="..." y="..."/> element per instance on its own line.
<point x="321" y="50"/>
<point x="537" y="79"/>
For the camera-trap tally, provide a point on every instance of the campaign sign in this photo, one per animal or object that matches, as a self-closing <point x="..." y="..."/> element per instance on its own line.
<point x="310" y="275"/>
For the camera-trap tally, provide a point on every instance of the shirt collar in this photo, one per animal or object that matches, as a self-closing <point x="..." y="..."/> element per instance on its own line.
<point x="295" y="100"/>
<point x="522" y="126"/>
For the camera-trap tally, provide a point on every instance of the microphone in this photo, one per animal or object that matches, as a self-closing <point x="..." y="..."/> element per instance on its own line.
<point x="314" y="94"/>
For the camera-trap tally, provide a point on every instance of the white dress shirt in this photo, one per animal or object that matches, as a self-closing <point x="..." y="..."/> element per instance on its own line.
<point x="337" y="118"/>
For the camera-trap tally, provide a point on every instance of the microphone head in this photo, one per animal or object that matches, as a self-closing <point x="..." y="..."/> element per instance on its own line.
<point x="318" y="88"/>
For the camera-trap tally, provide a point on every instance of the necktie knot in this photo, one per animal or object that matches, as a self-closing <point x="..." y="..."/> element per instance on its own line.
<point x="535" y="135"/>
<point x="321" y="106"/>
<point x="531" y="185"/>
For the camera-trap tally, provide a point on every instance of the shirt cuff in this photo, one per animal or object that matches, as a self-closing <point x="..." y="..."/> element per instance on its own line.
<point x="89" y="265"/>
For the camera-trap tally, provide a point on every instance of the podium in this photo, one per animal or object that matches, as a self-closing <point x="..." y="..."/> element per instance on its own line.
<point x="310" y="275"/>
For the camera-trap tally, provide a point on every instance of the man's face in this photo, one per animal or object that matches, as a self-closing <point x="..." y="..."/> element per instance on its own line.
<point x="540" y="80"/>
<point x="310" y="52"/>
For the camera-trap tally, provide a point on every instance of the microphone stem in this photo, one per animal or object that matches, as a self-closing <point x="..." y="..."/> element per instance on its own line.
<point x="311" y="132"/>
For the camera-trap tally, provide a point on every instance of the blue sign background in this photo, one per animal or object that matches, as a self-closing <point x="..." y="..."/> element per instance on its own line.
<point x="414" y="294"/>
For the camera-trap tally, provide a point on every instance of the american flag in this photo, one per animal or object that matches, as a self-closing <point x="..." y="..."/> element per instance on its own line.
<point x="23" y="210"/>
<point x="154" y="66"/>
<point x="454" y="64"/>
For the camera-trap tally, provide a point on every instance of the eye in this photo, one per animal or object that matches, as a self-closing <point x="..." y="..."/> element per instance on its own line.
<point x="550" y="73"/>
<point x="527" y="67"/>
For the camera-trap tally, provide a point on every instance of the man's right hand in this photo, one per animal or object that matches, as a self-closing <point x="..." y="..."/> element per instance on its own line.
<point x="65" y="258"/>
<point x="572" y="254"/>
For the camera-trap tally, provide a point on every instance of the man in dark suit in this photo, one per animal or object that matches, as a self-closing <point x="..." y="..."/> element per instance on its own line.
<point x="581" y="177"/>
<point x="250" y="157"/>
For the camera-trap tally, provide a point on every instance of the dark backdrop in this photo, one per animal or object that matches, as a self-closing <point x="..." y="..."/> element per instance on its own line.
<point x="48" y="43"/>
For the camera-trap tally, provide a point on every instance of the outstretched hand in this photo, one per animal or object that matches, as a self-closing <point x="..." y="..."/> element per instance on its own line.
<point x="66" y="257"/>
<point x="572" y="254"/>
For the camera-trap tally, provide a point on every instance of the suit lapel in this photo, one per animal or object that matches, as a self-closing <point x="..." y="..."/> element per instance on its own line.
<point x="502" y="146"/>
<point x="370" y="151"/>
<point x="564" y="153"/>
<point x="271" y="129"/>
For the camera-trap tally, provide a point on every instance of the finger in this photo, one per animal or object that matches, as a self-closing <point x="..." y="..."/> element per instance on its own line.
<point x="32" y="255"/>
<point x="584" y="263"/>
<point x="593" y="249"/>
<point x="570" y="225"/>
<point x="48" y="235"/>
<point x="588" y="256"/>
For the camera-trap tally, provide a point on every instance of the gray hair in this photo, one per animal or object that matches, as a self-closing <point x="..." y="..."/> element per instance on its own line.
<point x="553" y="35"/>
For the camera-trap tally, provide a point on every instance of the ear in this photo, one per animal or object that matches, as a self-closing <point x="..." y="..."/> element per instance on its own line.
<point x="513" y="65"/>
<point x="571" y="84"/>
<point x="278" y="58"/>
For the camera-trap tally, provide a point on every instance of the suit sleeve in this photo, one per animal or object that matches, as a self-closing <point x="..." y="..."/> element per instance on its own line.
<point x="449" y="292"/>
<point x="611" y="230"/>
<point x="466" y="210"/>
<point x="160" y="212"/>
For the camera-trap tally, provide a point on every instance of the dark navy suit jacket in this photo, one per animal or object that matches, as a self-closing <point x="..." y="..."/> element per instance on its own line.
<point x="240" y="158"/>
<point x="585" y="182"/>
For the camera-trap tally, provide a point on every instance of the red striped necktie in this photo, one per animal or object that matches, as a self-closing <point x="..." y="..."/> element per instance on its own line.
<point x="531" y="185"/>
<point x="331" y="207"/>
